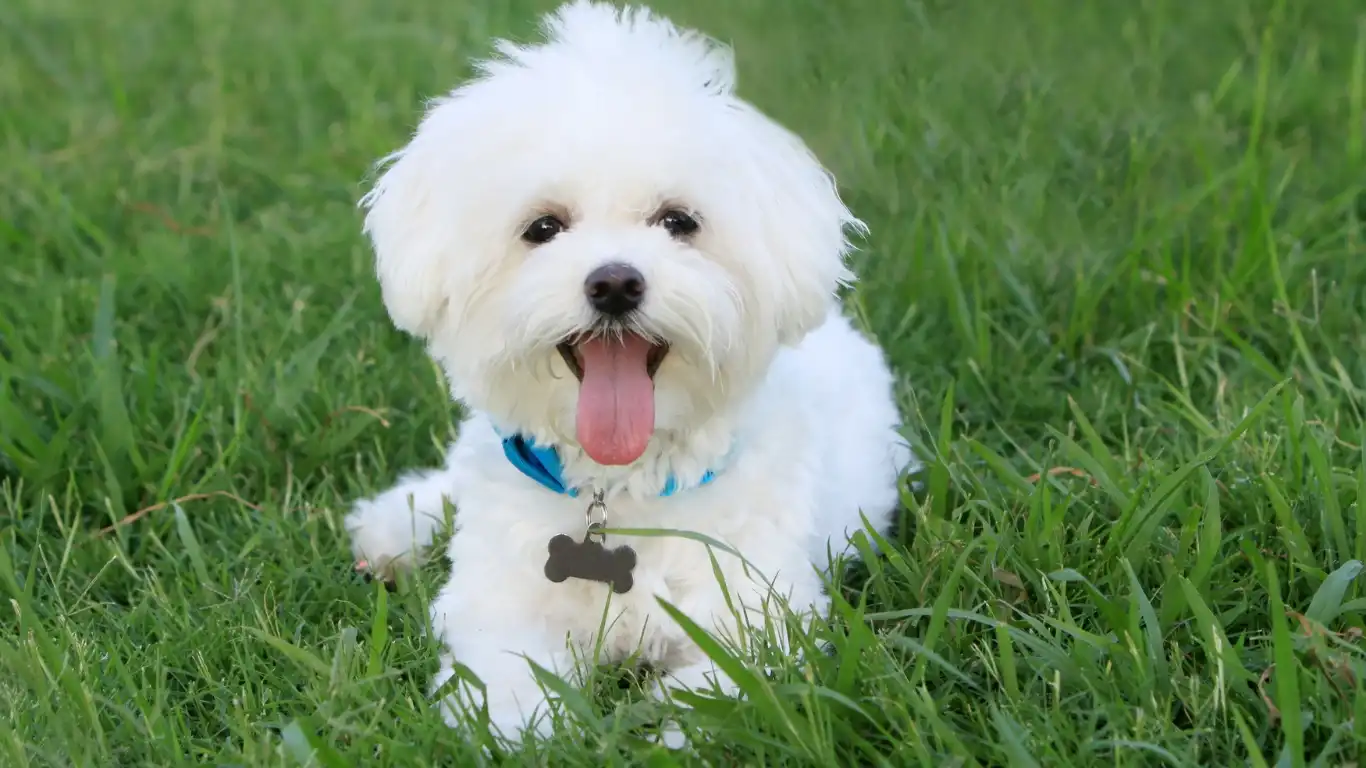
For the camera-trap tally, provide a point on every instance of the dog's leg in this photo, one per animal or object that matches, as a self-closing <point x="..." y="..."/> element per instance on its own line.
<point x="692" y="677"/>
<point x="766" y="618"/>
<point x="499" y="649"/>
<point x="390" y="532"/>
<point x="517" y="704"/>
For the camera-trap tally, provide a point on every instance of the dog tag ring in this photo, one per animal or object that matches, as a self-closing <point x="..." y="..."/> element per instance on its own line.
<point x="591" y="559"/>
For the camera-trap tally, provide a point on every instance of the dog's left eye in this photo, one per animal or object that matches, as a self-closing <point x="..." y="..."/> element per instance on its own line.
<point x="542" y="230"/>
<point x="678" y="223"/>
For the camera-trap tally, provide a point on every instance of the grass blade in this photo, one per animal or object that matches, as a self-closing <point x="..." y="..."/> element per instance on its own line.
<point x="191" y="543"/>
<point x="1327" y="602"/>
<point x="1157" y="670"/>
<point x="1287" y="674"/>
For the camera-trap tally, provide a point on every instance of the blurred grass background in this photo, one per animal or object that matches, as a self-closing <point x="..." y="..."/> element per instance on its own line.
<point x="1116" y="258"/>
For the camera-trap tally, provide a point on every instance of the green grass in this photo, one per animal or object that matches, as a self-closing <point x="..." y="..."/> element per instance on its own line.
<point x="1117" y="259"/>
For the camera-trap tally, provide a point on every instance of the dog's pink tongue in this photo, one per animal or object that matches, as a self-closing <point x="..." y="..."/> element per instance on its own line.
<point x="616" y="399"/>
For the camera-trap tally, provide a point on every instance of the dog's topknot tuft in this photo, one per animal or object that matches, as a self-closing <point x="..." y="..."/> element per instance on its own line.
<point x="587" y="33"/>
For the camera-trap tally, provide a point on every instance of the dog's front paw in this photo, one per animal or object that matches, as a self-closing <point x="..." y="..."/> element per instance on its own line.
<point x="392" y="531"/>
<point x="670" y="735"/>
<point x="377" y="544"/>
<point x="387" y="534"/>
<point x="518" y="709"/>
<point x="507" y="722"/>
<point x="515" y="728"/>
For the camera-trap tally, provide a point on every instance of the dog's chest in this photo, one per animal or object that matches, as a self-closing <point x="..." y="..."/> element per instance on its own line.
<point x="675" y="569"/>
<point x="622" y="625"/>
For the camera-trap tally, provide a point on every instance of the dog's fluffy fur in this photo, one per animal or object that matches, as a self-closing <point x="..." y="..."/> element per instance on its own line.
<point x="615" y="117"/>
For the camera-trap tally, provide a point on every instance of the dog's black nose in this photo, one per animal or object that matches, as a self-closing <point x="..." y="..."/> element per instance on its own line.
<point x="615" y="289"/>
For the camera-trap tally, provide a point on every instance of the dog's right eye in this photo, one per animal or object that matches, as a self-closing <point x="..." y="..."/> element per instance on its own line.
<point x="543" y="230"/>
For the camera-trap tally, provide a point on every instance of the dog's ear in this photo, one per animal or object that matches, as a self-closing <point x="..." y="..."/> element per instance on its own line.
<point x="409" y="238"/>
<point x="805" y="226"/>
<point x="413" y="221"/>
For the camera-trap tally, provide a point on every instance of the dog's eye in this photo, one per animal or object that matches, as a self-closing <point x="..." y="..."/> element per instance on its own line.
<point x="678" y="223"/>
<point x="543" y="230"/>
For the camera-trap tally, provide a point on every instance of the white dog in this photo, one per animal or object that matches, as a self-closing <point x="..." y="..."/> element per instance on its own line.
<point x="629" y="276"/>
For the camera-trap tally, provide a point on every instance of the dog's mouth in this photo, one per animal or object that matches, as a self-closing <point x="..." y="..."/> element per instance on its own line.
<point x="569" y="350"/>
<point x="616" y="409"/>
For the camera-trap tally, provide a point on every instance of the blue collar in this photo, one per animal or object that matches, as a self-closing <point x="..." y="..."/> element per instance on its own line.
<point x="542" y="464"/>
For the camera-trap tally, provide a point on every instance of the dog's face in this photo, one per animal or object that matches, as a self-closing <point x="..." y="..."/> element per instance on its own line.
<point x="599" y="241"/>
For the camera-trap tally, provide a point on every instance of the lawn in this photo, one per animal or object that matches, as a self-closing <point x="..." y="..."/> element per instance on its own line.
<point x="1116" y="258"/>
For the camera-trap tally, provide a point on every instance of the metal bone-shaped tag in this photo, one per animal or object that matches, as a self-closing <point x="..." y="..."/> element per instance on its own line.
<point x="591" y="560"/>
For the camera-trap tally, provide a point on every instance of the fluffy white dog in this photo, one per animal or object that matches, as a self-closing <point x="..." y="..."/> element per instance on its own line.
<point x="629" y="276"/>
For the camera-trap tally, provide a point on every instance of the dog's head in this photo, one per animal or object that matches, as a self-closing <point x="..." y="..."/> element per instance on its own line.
<point x="598" y="240"/>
